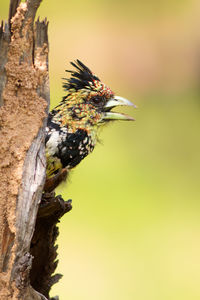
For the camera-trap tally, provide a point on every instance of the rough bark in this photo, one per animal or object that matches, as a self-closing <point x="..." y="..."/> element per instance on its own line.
<point x="24" y="101"/>
<point x="43" y="247"/>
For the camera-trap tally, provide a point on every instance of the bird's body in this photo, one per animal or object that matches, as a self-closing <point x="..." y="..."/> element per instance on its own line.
<point x="73" y="126"/>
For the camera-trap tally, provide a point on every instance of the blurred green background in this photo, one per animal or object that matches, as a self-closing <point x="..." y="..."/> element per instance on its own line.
<point x="134" y="231"/>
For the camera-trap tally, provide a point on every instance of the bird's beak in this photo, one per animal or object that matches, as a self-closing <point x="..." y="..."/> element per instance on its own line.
<point x="113" y="102"/>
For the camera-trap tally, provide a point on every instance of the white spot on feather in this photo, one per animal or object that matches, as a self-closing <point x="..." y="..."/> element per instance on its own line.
<point x="53" y="142"/>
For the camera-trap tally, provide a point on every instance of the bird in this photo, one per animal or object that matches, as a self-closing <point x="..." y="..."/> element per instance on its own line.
<point x="72" y="129"/>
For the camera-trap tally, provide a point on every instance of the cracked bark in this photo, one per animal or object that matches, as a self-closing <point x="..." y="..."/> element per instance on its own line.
<point x="27" y="226"/>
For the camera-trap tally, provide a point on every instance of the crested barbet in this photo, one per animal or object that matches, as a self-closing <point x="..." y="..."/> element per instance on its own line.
<point x="73" y="126"/>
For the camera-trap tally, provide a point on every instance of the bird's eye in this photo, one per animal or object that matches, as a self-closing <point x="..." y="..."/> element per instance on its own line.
<point x="98" y="101"/>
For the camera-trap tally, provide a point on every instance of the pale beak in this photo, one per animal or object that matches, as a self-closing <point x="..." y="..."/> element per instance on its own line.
<point x="113" y="102"/>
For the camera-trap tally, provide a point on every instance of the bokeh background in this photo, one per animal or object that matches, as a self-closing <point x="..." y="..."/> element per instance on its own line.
<point x="134" y="231"/>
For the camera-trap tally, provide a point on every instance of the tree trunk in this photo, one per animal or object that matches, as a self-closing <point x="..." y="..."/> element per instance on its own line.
<point x="26" y="261"/>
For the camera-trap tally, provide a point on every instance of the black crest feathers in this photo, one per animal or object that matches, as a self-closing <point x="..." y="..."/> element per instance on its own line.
<point x="80" y="77"/>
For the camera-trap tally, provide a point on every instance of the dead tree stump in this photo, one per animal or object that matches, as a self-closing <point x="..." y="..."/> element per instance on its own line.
<point x="27" y="236"/>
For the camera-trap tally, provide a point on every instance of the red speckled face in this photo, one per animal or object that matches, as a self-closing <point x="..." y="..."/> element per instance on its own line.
<point x="99" y="94"/>
<point x="84" y="108"/>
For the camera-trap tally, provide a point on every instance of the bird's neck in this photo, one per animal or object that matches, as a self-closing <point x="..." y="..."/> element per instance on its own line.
<point x="91" y="132"/>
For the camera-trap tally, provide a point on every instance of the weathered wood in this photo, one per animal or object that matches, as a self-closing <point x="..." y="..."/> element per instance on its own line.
<point x="27" y="235"/>
<point x="12" y="10"/>
<point x="24" y="90"/>
<point x="43" y="247"/>
<point x="4" y="44"/>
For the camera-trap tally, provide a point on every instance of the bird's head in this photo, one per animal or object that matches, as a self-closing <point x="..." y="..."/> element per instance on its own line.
<point x="89" y="102"/>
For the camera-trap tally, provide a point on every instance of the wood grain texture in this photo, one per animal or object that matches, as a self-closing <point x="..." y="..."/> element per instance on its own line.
<point x="4" y="43"/>
<point x="24" y="90"/>
<point x="28" y="228"/>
